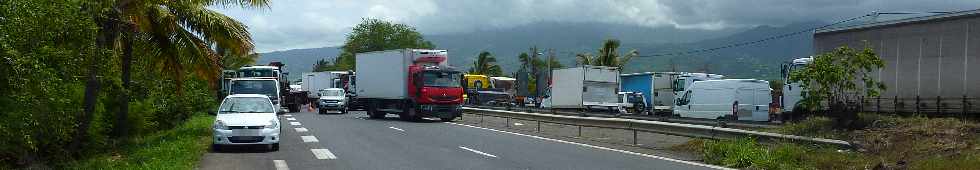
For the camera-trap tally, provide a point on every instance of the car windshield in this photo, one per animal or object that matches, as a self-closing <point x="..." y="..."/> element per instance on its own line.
<point x="333" y="92"/>
<point x="440" y="79"/>
<point x="246" y="105"/>
<point x="265" y="87"/>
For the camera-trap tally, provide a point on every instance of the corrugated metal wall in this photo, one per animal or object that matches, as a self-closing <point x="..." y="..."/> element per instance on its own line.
<point x="930" y="66"/>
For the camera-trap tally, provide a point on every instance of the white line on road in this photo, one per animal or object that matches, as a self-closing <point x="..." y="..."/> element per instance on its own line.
<point x="598" y="147"/>
<point x="295" y="123"/>
<point x="281" y="165"/>
<point x="301" y="129"/>
<point x="308" y="139"/>
<point x="288" y="115"/>
<point x="290" y="118"/>
<point x="392" y="127"/>
<point x="518" y="124"/>
<point x="323" y="154"/>
<point x="476" y="151"/>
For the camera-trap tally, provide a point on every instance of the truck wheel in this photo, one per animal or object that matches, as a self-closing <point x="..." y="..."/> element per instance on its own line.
<point x="410" y="114"/>
<point x="293" y="108"/>
<point x="372" y="111"/>
<point x="447" y="119"/>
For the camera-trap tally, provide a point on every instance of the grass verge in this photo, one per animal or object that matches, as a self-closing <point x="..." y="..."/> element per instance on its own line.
<point x="884" y="142"/>
<point x="178" y="148"/>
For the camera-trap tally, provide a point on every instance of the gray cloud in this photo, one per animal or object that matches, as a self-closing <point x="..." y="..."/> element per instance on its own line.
<point x="291" y="24"/>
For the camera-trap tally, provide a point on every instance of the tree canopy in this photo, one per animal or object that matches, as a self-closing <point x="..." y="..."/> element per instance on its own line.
<point x="376" y="35"/>
<point x="608" y="55"/>
<point x="486" y="64"/>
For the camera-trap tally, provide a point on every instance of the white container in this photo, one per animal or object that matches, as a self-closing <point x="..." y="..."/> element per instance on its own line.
<point x="384" y="74"/>
<point x="714" y="99"/>
<point x="585" y="87"/>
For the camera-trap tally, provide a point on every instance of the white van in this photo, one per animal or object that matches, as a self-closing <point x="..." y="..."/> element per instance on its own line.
<point x="718" y="99"/>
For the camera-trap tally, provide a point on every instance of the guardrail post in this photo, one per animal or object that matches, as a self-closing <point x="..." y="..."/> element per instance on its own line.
<point x="634" y="137"/>
<point x="481" y="119"/>
<point x="579" y="131"/>
<point x="508" y="122"/>
<point x="539" y="126"/>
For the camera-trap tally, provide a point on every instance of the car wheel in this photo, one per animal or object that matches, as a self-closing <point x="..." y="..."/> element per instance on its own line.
<point x="216" y="147"/>
<point x="274" y="147"/>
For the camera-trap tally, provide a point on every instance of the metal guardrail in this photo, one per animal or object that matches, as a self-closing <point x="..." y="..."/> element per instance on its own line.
<point x="678" y="129"/>
<point x="727" y="123"/>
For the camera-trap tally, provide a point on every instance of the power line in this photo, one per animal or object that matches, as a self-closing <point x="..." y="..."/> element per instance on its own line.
<point x="758" y="41"/>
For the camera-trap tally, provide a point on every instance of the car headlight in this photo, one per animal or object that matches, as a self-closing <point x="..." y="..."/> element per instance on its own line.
<point x="218" y="124"/>
<point x="272" y="124"/>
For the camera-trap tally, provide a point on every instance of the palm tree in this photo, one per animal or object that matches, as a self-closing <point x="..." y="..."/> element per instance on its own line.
<point x="608" y="55"/>
<point x="184" y="34"/>
<point x="486" y="64"/>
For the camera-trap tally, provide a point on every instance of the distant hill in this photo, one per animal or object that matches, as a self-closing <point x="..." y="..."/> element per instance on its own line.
<point x="298" y="61"/>
<point x="755" y="61"/>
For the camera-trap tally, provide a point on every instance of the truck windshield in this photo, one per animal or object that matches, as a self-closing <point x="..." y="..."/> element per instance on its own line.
<point x="246" y="105"/>
<point x="256" y="73"/>
<point x="266" y="87"/>
<point x="440" y="79"/>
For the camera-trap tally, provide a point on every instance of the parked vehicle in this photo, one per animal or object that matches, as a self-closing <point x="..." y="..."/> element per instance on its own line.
<point x="332" y="99"/>
<point x="633" y="102"/>
<point x="314" y="82"/>
<point x="729" y="99"/>
<point x="289" y="98"/>
<point x="585" y="87"/>
<point x="267" y="87"/>
<point x="656" y="87"/>
<point x="246" y="119"/>
<point x="412" y="83"/>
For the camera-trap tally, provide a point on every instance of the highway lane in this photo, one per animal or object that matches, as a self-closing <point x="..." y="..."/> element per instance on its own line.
<point x="355" y="142"/>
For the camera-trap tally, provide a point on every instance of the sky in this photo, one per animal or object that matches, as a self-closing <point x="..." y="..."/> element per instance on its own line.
<point x="296" y="24"/>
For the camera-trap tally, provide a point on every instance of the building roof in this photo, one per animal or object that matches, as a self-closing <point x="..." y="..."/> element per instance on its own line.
<point x="898" y="22"/>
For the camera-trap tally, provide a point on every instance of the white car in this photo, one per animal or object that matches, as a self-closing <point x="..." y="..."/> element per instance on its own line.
<point x="246" y="119"/>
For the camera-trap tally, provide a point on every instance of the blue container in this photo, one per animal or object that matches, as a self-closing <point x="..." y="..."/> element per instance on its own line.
<point x="638" y="82"/>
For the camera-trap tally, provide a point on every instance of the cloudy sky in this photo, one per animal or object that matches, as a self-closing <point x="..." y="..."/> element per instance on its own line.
<point x="293" y="24"/>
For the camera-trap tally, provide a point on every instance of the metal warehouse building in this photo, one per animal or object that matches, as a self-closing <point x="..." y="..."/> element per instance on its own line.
<point x="931" y="62"/>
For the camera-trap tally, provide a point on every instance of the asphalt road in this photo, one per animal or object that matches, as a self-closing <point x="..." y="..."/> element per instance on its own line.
<point x="352" y="141"/>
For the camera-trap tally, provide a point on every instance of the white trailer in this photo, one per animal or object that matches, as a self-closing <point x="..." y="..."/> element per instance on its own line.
<point x="585" y="87"/>
<point x="730" y="99"/>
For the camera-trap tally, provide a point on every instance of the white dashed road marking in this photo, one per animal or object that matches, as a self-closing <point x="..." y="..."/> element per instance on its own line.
<point x="596" y="147"/>
<point x="290" y="118"/>
<point x="301" y="129"/>
<point x="288" y="115"/>
<point x="295" y="123"/>
<point x="476" y="151"/>
<point x="308" y="139"/>
<point x="518" y="124"/>
<point x="392" y="127"/>
<point x="281" y="165"/>
<point x="323" y="154"/>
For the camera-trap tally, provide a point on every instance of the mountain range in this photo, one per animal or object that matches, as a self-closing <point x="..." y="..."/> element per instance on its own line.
<point x="759" y="60"/>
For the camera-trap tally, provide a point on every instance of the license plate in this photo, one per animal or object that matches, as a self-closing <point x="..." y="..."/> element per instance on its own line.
<point x="245" y="132"/>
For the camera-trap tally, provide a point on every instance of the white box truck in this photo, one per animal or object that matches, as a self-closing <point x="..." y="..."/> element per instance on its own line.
<point x="728" y="99"/>
<point x="585" y="87"/>
<point x="412" y="83"/>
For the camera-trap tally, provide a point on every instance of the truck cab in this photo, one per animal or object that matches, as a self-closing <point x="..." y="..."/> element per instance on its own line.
<point x="792" y="92"/>
<point x="437" y="90"/>
<point x="268" y="87"/>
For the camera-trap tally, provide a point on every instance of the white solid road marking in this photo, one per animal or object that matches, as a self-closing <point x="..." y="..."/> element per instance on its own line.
<point x="476" y="151"/>
<point x="323" y="154"/>
<point x="518" y="124"/>
<point x="599" y="147"/>
<point x="295" y="123"/>
<point x="308" y="139"/>
<point x="392" y="127"/>
<point x="281" y="165"/>
<point x="290" y="118"/>
<point x="301" y="129"/>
